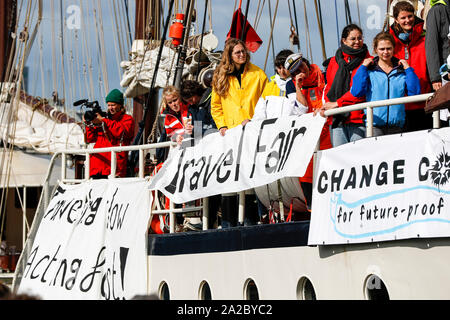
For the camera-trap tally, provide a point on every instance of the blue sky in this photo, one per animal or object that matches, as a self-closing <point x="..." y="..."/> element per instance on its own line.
<point x="46" y="52"/>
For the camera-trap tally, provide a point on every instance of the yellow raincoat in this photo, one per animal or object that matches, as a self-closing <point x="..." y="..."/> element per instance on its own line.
<point x="240" y="101"/>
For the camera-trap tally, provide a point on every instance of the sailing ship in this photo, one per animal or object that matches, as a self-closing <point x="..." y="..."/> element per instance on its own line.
<point x="273" y="261"/>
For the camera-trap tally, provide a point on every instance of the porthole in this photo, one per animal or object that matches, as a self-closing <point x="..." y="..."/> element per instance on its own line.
<point x="375" y="289"/>
<point x="205" y="291"/>
<point x="305" y="289"/>
<point x="164" y="293"/>
<point x="251" y="290"/>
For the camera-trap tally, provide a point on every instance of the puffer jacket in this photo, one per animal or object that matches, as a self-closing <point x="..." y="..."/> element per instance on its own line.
<point x="375" y="84"/>
<point x="240" y="100"/>
<point x="413" y="51"/>
<point x="114" y="132"/>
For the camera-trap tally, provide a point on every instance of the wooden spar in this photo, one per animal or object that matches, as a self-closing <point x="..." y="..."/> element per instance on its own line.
<point x="319" y="23"/>
<point x="8" y="10"/>
<point x="146" y="28"/>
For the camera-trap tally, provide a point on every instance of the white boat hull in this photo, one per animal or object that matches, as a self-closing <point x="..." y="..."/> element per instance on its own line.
<point x="410" y="269"/>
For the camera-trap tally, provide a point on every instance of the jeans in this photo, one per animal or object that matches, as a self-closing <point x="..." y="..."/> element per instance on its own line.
<point x="345" y="133"/>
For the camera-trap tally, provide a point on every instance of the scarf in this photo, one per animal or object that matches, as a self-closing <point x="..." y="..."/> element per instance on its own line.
<point x="341" y="81"/>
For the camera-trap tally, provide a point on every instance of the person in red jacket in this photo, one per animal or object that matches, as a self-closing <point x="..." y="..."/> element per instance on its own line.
<point x="409" y="36"/>
<point x="177" y="123"/>
<point x="117" y="129"/>
<point x="341" y="69"/>
<point x="308" y="84"/>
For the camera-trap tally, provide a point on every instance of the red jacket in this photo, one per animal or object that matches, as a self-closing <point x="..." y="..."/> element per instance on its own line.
<point x="114" y="132"/>
<point x="172" y="123"/>
<point x="416" y="58"/>
<point x="347" y="99"/>
<point x="312" y="89"/>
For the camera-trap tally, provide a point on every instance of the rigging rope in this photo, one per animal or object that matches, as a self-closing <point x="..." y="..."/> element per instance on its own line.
<point x="117" y="46"/>
<point x="337" y="23"/>
<point x="296" y="22"/>
<point x="201" y="42"/>
<point x="88" y="60"/>
<point x="258" y="17"/>
<point x="319" y="23"/>
<point x="8" y="145"/>
<point x="272" y="23"/>
<point x="308" y="38"/>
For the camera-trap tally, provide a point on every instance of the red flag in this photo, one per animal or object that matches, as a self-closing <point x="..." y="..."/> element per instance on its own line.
<point x="251" y="38"/>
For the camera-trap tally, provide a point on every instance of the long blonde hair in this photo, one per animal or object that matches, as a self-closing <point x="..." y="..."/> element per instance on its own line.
<point x="226" y="67"/>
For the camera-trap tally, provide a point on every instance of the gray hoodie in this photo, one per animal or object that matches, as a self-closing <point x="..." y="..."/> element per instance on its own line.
<point x="436" y="39"/>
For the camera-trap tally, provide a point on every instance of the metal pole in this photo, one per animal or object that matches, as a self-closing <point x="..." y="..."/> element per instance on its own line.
<point x="24" y="221"/>
<point x="141" y="164"/>
<point x="205" y="218"/>
<point x="172" y="218"/>
<point x="369" y="122"/>
<point x="183" y="47"/>
<point x="87" y="166"/>
<point x="280" y="201"/>
<point x="113" y="165"/>
<point x="243" y="33"/>
<point x="436" y="120"/>
<point x="63" y="166"/>
<point x="201" y="42"/>
<point x="241" y="216"/>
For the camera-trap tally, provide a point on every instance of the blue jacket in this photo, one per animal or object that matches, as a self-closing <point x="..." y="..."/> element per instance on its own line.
<point x="375" y="84"/>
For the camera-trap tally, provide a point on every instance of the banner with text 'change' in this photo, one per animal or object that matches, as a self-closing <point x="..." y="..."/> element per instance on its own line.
<point x="385" y="188"/>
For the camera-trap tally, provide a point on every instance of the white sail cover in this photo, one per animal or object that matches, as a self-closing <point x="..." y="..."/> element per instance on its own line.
<point x="32" y="129"/>
<point x="138" y="72"/>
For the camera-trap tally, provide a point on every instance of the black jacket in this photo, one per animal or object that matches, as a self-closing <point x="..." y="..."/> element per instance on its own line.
<point x="436" y="39"/>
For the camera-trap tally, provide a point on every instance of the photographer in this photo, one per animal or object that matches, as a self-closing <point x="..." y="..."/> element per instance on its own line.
<point x="116" y="128"/>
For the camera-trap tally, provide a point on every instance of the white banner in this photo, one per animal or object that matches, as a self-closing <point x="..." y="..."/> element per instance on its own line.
<point x="385" y="188"/>
<point x="260" y="153"/>
<point x="91" y="242"/>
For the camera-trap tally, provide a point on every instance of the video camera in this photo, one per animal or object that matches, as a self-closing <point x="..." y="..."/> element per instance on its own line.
<point x="94" y="107"/>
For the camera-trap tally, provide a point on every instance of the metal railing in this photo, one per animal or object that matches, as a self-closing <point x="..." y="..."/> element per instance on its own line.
<point x="204" y="207"/>
<point x="381" y="103"/>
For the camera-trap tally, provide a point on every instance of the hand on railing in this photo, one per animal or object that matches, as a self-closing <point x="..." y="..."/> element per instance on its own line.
<point x="325" y="107"/>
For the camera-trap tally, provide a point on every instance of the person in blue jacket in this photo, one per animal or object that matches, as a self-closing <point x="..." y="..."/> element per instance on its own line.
<point x="385" y="77"/>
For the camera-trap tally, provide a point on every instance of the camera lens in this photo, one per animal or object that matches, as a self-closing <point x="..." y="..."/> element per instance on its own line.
<point x="89" y="116"/>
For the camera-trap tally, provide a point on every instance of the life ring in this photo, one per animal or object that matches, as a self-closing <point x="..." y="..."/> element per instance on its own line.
<point x="291" y="192"/>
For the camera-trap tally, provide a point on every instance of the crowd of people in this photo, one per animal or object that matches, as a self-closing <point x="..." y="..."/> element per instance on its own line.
<point x="407" y="60"/>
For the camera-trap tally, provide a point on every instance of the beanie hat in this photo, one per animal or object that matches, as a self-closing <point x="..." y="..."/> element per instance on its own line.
<point x="115" y="96"/>
<point x="293" y="62"/>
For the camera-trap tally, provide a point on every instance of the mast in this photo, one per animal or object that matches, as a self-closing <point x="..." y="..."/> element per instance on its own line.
<point x="8" y="10"/>
<point x="146" y="28"/>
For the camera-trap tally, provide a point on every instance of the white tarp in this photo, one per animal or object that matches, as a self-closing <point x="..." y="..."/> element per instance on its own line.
<point x="91" y="243"/>
<point x="31" y="129"/>
<point x="138" y="73"/>
<point x="28" y="169"/>
<point x="385" y="188"/>
<point x="267" y="150"/>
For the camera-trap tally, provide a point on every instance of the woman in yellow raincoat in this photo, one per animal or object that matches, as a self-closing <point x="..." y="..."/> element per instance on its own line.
<point x="237" y="86"/>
